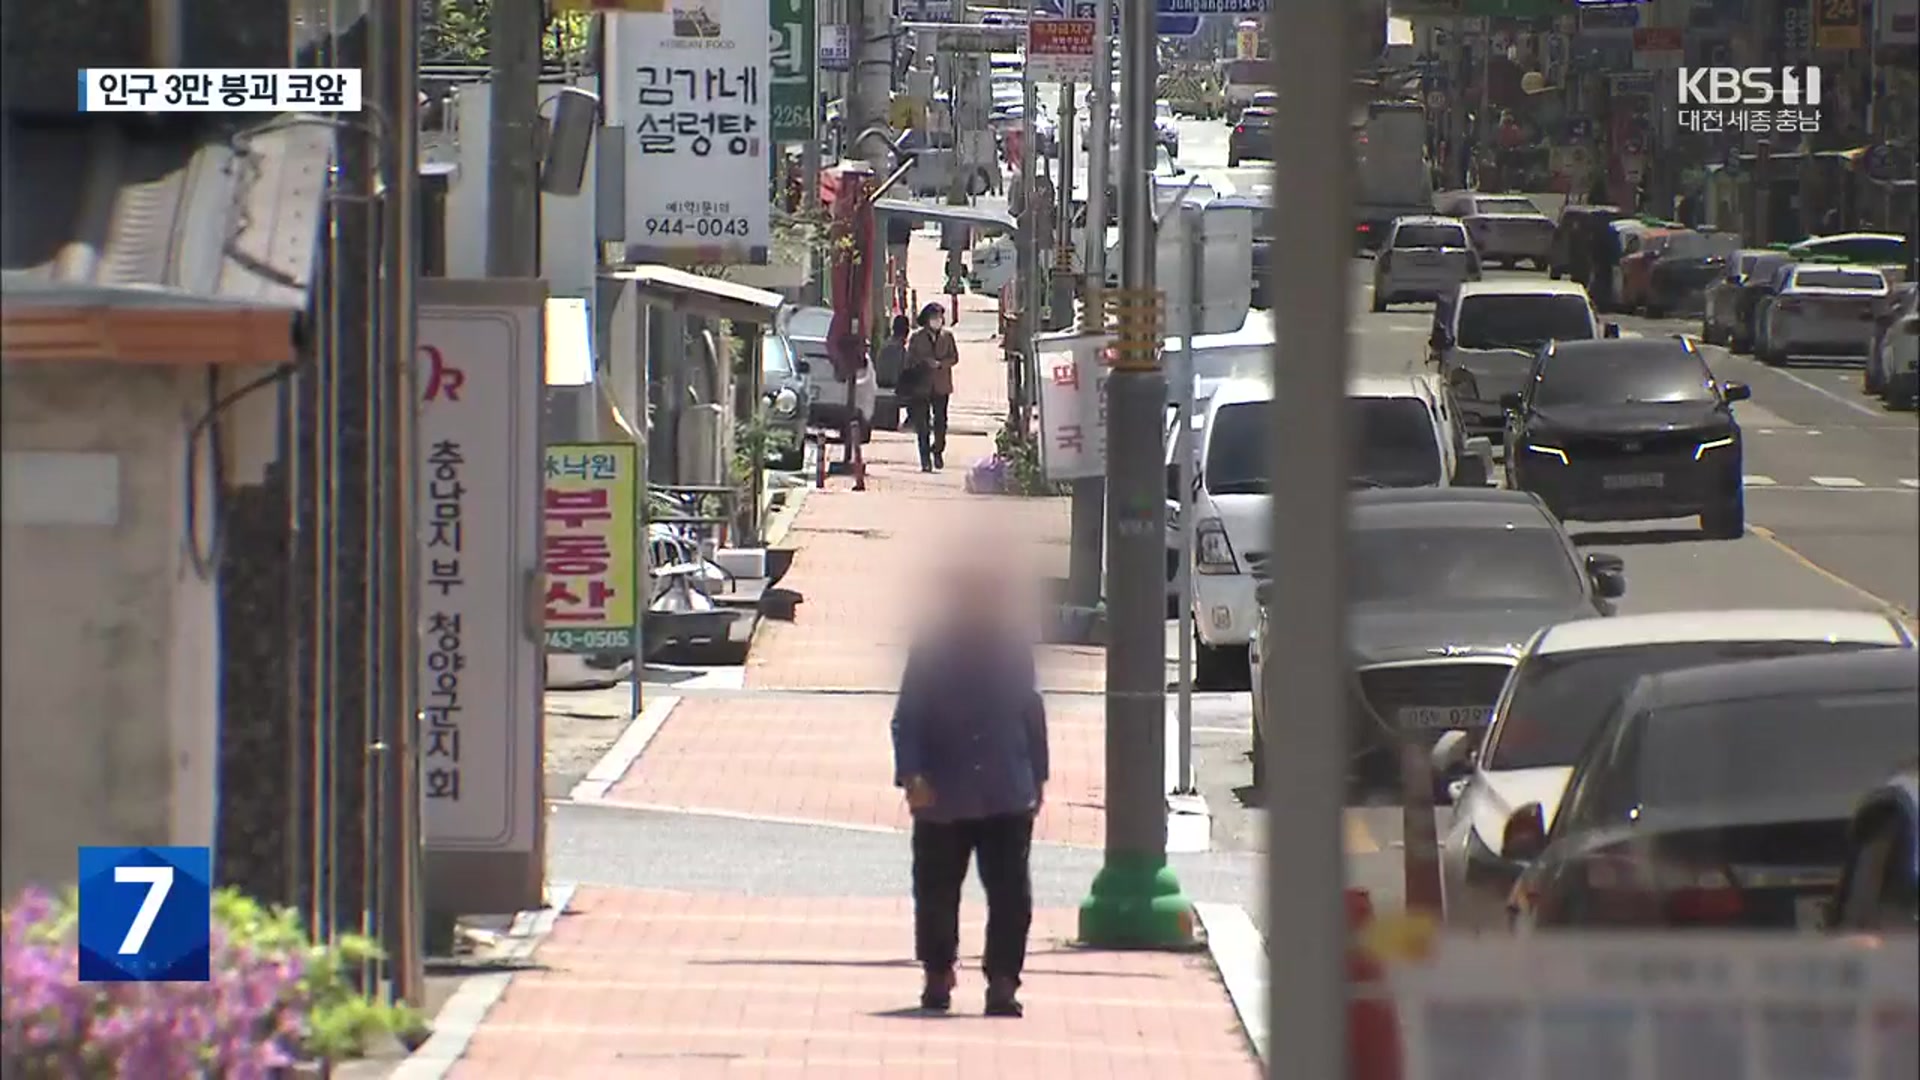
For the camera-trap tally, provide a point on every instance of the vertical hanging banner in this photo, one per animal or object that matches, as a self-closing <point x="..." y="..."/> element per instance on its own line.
<point x="1838" y="25"/>
<point x="794" y="54"/>
<point x="589" y="517"/>
<point x="693" y="87"/>
<point x="478" y="375"/>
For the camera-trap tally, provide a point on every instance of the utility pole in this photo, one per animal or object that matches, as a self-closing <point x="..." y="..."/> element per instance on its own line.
<point x="1457" y="128"/>
<point x="513" y="162"/>
<point x="1060" y="310"/>
<point x="1305" y="684"/>
<point x="1027" y="263"/>
<point x="1087" y="521"/>
<point x="872" y="89"/>
<point x="1136" y="899"/>
<point x="400" y="832"/>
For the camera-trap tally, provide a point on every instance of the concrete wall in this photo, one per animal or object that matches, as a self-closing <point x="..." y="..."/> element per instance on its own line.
<point x="111" y="658"/>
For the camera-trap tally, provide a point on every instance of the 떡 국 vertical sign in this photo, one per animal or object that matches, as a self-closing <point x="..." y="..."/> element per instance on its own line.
<point x="795" y="52"/>
<point x="478" y="501"/>
<point x="697" y="87"/>
<point x="587" y="550"/>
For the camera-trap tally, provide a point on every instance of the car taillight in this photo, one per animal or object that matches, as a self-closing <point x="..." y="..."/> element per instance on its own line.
<point x="1239" y="129"/>
<point x="1212" y="551"/>
<point x="1635" y="889"/>
<point x="1363" y="227"/>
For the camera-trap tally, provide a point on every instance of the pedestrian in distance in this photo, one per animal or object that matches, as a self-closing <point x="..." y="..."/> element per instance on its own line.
<point x="899" y="238"/>
<point x="970" y="752"/>
<point x="933" y="346"/>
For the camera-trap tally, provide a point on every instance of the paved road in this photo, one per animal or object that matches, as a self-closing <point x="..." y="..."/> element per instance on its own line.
<point x="1833" y="485"/>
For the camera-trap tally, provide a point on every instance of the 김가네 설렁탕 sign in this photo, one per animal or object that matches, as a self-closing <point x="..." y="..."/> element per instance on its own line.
<point x="692" y="87"/>
<point x="478" y="504"/>
<point x="588" y="524"/>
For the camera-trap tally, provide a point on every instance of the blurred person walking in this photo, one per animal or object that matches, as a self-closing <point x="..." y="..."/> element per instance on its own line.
<point x="933" y="346"/>
<point x="970" y="752"/>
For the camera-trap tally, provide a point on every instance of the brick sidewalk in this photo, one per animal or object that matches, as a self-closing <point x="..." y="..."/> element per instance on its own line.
<point x="644" y="984"/>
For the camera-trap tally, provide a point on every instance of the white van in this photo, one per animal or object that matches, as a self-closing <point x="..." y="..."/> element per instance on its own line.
<point x="1406" y="434"/>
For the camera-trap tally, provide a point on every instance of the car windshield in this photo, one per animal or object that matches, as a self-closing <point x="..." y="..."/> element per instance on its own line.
<point x="1798" y="747"/>
<point x="1862" y="280"/>
<point x="1256" y="118"/>
<point x="1505" y="205"/>
<point x="1393" y="442"/>
<point x="1459" y="566"/>
<point x="1560" y="700"/>
<point x="1658" y="375"/>
<point x="776" y="362"/>
<point x="1523" y="321"/>
<point x="1429" y="236"/>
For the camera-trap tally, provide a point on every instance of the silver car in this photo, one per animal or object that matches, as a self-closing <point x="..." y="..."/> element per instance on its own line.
<point x="1423" y="258"/>
<point x="1822" y="310"/>
<point x="786" y="395"/>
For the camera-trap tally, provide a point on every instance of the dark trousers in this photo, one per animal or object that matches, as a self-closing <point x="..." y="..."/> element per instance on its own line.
<point x="929" y="416"/>
<point x="1000" y="846"/>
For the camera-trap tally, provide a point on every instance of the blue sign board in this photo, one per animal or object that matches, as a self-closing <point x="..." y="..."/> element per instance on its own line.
<point x="1164" y="24"/>
<point x="1211" y="7"/>
<point x="145" y="914"/>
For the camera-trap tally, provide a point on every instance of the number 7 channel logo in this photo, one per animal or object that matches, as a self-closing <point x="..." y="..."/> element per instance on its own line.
<point x="145" y="914"/>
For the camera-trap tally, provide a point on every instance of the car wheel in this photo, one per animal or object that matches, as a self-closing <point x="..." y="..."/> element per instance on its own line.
<point x="1738" y="345"/>
<point x="1728" y="521"/>
<point x="1871" y="382"/>
<point x="1214" y="669"/>
<point x="1379" y="300"/>
<point x="1233" y="161"/>
<point x="1768" y="356"/>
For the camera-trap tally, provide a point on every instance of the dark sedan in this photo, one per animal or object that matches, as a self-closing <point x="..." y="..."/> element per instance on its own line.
<point x="1252" y="138"/>
<point x="1626" y="430"/>
<point x="1880" y="884"/>
<point x="1762" y="281"/>
<point x="1677" y="282"/>
<point x="1575" y="237"/>
<point x="1719" y="796"/>
<point x="1445" y="586"/>
<point x="1721" y="301"/>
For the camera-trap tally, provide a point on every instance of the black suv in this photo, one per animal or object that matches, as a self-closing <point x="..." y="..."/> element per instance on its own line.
<point x="1626" y="430"/>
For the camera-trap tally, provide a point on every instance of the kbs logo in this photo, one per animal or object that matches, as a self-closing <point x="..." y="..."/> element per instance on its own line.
<point x="1754" y="87"/>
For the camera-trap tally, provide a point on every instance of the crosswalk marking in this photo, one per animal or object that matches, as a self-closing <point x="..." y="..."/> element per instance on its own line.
<point x="1838" y="481"/>
<point x="1755" y="480"/>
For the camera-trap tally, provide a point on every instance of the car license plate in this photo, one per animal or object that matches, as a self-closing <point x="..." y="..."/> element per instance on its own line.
<point x="1440" y="717"/>
<point x="1810" y="912"/>
<point x="1633" y="481"/>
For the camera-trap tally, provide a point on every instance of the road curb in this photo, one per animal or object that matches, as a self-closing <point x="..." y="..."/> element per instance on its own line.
<point x="1239" y="954"/>
<point x="1888" y="607"/>
<point x="460" y="1018"/>
<point x="625" y="751"/>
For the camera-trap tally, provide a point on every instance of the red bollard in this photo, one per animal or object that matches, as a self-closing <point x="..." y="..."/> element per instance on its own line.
<point x="1373" y="1028"/>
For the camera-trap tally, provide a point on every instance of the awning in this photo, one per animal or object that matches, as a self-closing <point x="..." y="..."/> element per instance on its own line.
<point x="183" y="245"/>
<point x="989" y="221"/>
<point x="698" y="294"/>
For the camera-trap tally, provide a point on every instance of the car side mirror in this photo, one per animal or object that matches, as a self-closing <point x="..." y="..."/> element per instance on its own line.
<point x="1451" y="752"/>
<point x="1525" y="836"/>
<point x="1512" y="401"/>
<point x="1612" y="330"/>
<point x="1736" y="391"/>
<point x="1609" y="574"/>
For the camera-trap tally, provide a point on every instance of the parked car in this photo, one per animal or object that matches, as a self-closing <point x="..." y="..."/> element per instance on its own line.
<point x="835" y="401"/>
<point x="1821" y="310"/>
<point x="1892" y="336"/>
<point x="1768" y="276"/>
<point x="1686" y="264"/>
<point x="1718" y="796"/>
<point x="1901" y="359"/>
<point x="1564" y="684"/>
<point x="1260" y="202"/>
<point x="1252" y="137"/>
<point x="1628" y="430"/>
<point x="1422" y="258"/>
<point x="1879" y="887"/>
<point x="1889" y="252"/>
<point x="1570" y="254"/>
<point x="1445" y="584"/>
<point x="787" y="400"/>
<point x="1721" y="301"/>
<point x="1506" y="229"/>
<point x="1484" y="337"/>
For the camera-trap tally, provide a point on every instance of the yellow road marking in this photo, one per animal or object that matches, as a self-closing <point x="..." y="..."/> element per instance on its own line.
<point x="1888" y="606"/>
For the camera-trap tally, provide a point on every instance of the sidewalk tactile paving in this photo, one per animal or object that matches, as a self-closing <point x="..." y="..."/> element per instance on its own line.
<point x="831" y="760"/>
<point x="637" y="983"/>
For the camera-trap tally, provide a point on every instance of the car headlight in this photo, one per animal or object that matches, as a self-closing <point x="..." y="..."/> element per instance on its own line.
<point x="786" y="402"/>
<point x="1550" y="451"/>
<point x="1712" y="444"/>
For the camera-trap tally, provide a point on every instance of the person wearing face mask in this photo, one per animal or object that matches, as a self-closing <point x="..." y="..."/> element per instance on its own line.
<point x="933" y="347"/>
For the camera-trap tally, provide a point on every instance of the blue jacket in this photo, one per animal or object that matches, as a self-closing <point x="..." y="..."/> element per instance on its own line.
<point x="970" y="720"/>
